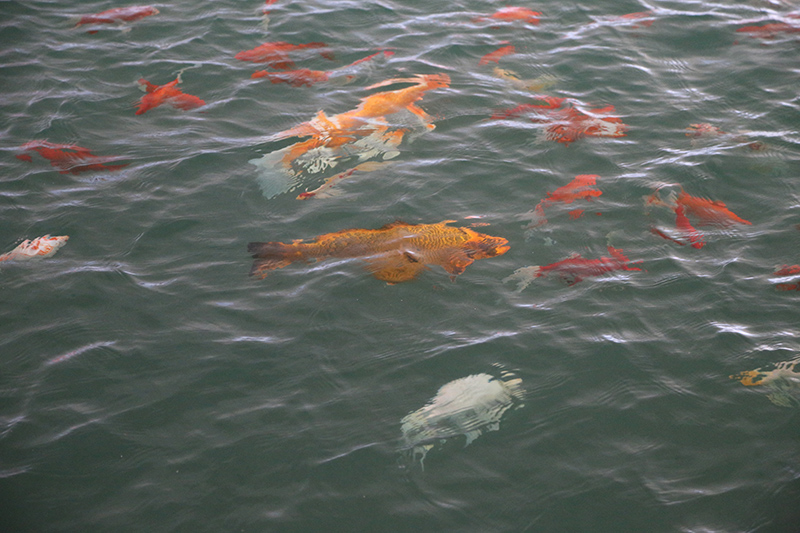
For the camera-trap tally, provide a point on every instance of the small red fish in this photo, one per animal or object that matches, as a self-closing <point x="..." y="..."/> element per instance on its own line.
<point x="785" y="271"/>
<point x="69" y="158"/>
<point x="118" y="14"/>
<point x="710" y="212"/>
<point x="568" y="123"/>
<point x="497" y="54"/>
<point x="580" y="188"/>
<point x="646" y="15"/>
<point x="276" y="54"/>
<point x="769" y="31"/>
<point x="166" y="94"/>
<point x="38" y="248"/>
<point x="307" y="77"/>
<point x="513" y="13"/>
<point x="265" y="9"/>
<point x="574" y="269"/>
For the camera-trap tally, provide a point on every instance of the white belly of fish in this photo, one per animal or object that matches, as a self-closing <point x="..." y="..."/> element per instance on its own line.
<point x="468" y="406"/>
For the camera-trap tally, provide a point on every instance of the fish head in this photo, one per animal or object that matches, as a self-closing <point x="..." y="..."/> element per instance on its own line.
<point x="481" y="246"/>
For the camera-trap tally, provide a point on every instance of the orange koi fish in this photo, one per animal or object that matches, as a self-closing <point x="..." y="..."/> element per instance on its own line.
<point x="783" y="382"/>
<point x="566" y="124"/>
<point x="580" y="188"/>
<point x="69" y="158"/>
<point x="785" y="271"/>
<point x="307" y="77"/>
<point x="395" y="253"/>
<point x="573" y="269"/>
<point x="513" y="13"/>
<point x="118" y="14"/>
<point x="497" y="54"/>
<point x="276" y="54"/>
<point x="769" y="31"/>
<point x="710" y="212"/>
<point x="38" y="248"/>
<point x="166" y="94"/>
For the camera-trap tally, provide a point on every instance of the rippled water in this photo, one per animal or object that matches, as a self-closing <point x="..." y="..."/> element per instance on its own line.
<point x="149" y="383"/>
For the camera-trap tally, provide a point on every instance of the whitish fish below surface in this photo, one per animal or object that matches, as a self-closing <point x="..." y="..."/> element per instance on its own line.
<point x="468" y="406"/>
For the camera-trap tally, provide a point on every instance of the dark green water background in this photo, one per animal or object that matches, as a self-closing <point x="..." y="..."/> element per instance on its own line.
<point x="148" y="384"/>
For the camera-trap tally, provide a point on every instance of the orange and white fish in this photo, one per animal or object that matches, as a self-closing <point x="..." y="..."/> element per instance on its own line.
<point x="567" y="121"/>
<point x="118" y="14"/>
<point x="166" y="94"/>
<point x="38" y="248"/>
<point x="783" y="382"/>
<point x="574" y="268"/>
<point x="497" y="54"/>
<point x="69" y="158"/>
<point x="394" y="253"/>
<point x="276" y="54"/>
<point x="580" y="188"/>
<point x="511" y="13"/>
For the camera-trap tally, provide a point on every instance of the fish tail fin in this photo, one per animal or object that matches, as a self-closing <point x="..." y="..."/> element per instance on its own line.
<point x="271" y="256"/>
<point x="523" y="276"/>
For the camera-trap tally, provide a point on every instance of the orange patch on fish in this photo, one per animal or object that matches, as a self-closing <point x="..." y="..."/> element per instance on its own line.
<point x="580" y="188"/>
<point x="643" y="18"/>
<point x="512" y="13"/>
<point x="394" y="253"/>
<point x="166" y="94"/>
<point x="38" y="248"/>
<point x="69" y="158"/>
<point x="711" y="212"/>
<point x="497" y="54"/>
<point x="769" y="31"/>
<point x="118" y="14"/>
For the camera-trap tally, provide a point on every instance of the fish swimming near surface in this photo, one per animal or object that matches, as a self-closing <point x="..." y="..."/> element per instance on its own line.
<point x="394" y="253"/>
<point x="582" y="187"/>
<point x="69" y="158"/>
<point x="468" y="407"/>
<point x="574" y="268"/>
<point x="787" y="271"/>
<point x="512" y="13"/>
<point x="166" y="94"/>
<point x="276" y="54"/>
<point x="782" y="382"/>
<point x="536" y="85"/>
<point x="643" y="19"/>
<point x="497" y="54"/>
<point x="568" y="120"/>
<point x="38" y="248"/>
<point x="307" y="77"/>
<point x="769" y="31"/>
<point x="117" y="15"/>
<point x="707" y="212"/>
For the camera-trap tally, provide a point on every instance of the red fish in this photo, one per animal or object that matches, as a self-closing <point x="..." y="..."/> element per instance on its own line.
<point x="69" y="158"/>
<point x="497" y="54"/>
<point x="646" y="15"/>
<point x="788" y="270"/>
<point x="38" y="248"/>
<point x="395" y="253"/>
<point x="513" y="13"/>
<point x="769" y="31"/>
<point x="166" y="94"/>
<point x="580" y="188"/>
<point x="574" y="269"/>
<point x="276" y="54"/>
<point x="710" y="212"/>
<point x="118" y="14"/>
<point x="307" y="77"/>
<point x="684" y="226"/>
<point x="568" y="123"/>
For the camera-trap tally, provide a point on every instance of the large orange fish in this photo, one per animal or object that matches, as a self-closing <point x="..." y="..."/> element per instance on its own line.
<point x="166" y="94"/>
<point x="118" y="14"/>
<point x="568" y="123"/>
<point x="580" y="188"/>
<point x="395" y="253"/>
<point x="497" y="54"/>
<point x="512" y="13"/>
<point x="69" y="158"/>
<point x="276" y="54"/>
<point x="38" y="248"/>
<point x="573" y="269"/>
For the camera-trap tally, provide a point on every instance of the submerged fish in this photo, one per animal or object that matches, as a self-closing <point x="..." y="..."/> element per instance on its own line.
<point x="468" y="407"/>
<point x="511" y="13"/>
<point x="308" y="77"/>
<point x="567" y="121"/>
<point x="783" y="382"/>
<point x="769" y="31"/>
<point x="38" y="248"/>
<point x="787" y="271"/>
<point x="69" y="158"/>
<point x="166" y="94"/>
<point x="118" y="14"/>
<point x="276" y="54"/>
<point x="573" y="269"/>
<point x="532" y="84"/>
<point x="580" y="188"/>
<point x="497" y="54"/>
<point x="395" y="253"/>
